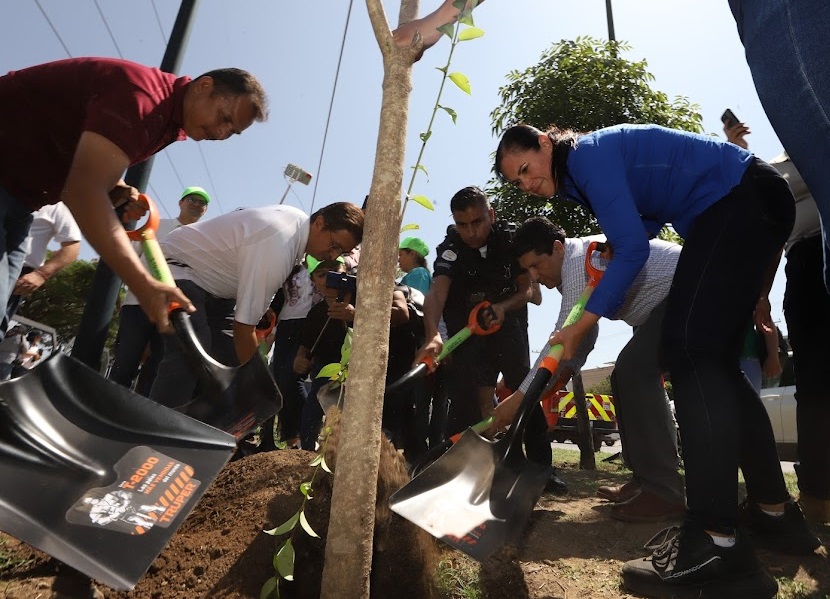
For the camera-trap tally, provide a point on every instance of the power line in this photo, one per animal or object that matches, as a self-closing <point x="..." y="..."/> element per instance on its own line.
<point x="158" y="20"/>
<point x="157" y="198"/>
<point x="107" y="25"/>
<point x="173" y="166"/>
<point x="331" y="104"/>
<point x="210" y="178"/>
<point x="55" y="31"/>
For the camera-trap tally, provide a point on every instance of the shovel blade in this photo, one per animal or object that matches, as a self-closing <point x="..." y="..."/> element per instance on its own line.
<point x="96" y="475"/>
<point x="453" y="500"/>
<point x="235" y="399"/>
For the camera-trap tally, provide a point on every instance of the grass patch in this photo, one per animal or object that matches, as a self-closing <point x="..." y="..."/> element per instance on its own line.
<point x="793" y="589"/>
<point x="458" y="577"/>
<point x="8" y="560"/>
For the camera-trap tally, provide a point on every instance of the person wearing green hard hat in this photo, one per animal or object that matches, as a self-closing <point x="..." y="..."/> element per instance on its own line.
<point x="193" y="204"/>
<point x="412" y="253"/>
<point x="132" y="364"/>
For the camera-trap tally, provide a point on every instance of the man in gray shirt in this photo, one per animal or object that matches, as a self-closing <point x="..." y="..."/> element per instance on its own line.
<point x="645" y="421"/>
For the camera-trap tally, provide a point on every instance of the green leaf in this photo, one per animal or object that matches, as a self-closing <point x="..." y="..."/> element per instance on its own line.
<point x="421" y="167"/>
<point x="346" y="348"/>
<point x="449" y="111"/>
<point x="425" y="136"/>
<point x="317" y="459"/>
<point x="284" y="560"/>
<point x="470" y="33"/>
<point x="285" y="527"/>
<point x="410" y="227"/>
<point x="329" y="371"/>
<point x="460" y="79"/>
<point x="423" y="201"/>
<point x="305" y="489"/>
<point x="459" y="4"/>
<point x="307" y="527"/>
<point x="465" y="17"/>
<point x="447" y="29"/>
<point x="268" y="588"/>
<point x="324" y="466"/>
<point x="442" y="69"/>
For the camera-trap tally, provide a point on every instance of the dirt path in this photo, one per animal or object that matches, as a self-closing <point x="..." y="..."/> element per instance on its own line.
<point x="572" y="548"/>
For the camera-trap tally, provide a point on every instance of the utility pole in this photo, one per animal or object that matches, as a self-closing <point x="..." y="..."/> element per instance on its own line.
<point x="609" y="13"/>
<point x="95" y="321"/>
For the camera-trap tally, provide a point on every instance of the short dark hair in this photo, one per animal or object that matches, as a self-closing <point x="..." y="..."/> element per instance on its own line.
<point x="237" y="82"/>
<point x="536" y="234"/>
<point x="467" y="198"/>
<point x="342" y="216"/>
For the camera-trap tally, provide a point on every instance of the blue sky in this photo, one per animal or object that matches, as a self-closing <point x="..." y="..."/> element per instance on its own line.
<point x="692" y="48"/>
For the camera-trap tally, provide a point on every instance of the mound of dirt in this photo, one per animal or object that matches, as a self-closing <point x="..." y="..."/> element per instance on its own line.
<point x="572" y="548"/>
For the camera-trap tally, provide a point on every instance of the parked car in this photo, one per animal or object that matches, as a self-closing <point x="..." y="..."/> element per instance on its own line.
<point x="780" y="405"/>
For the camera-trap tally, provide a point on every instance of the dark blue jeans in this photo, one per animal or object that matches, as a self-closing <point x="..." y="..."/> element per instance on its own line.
<point x="788" y="53"/>
<point x="723" y="424"/>
<point x="176" y="382"/>
<point x="135" y="331"/>
<point x="15" y="220"/>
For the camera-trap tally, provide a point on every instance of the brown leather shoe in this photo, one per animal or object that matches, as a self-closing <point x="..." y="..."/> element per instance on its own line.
<point x="647" y="507"/>
<point x="619" y="493"/>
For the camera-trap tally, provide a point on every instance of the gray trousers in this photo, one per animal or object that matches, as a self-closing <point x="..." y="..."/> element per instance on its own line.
<point x="647" y="430"/>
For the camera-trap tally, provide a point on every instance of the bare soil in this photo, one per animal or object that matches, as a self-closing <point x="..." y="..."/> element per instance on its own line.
<point x="572" y="547"/>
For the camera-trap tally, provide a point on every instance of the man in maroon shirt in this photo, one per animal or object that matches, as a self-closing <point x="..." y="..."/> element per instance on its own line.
<point x="71" y="128"/>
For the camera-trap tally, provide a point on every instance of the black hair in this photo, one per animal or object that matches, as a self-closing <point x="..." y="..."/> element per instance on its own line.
<point x="342" y="216"/>
<point x="237" y="82"/>
<point x="467" y="198"/>
<point x="536" y="234"/>
<point x="526" y="137"/>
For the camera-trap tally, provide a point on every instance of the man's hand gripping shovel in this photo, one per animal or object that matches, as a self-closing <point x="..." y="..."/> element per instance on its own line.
<point x="233" y="399"/>
<point x="479" y="495"/>
<point x="475" y="326"/>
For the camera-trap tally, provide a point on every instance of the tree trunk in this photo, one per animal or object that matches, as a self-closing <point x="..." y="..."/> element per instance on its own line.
<point x="584" y="430"/>
<point x="348" y="557"/>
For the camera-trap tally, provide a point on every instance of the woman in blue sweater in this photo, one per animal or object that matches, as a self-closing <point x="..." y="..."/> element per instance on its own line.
<point x="735" y="213"/>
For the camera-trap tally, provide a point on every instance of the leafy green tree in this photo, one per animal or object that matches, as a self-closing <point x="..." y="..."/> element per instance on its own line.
<point x="582" y="85"/>
<point x="602" y="387"/>
<point x="60" y="302"/>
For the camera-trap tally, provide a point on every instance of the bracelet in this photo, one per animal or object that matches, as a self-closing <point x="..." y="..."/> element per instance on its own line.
<point x="42" y="274"/>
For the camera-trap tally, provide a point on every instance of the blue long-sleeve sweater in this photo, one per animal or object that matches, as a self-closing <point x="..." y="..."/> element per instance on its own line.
<point x="637" y="178"/>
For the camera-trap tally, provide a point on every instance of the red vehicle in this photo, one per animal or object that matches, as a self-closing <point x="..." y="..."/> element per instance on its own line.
<point x="560" y="412"/>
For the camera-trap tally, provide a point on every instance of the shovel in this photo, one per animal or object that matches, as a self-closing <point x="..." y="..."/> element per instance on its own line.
<point x="233" y="399"/>
<point x="479" y="495"/>
<point x="429" y="364"/>
<point x="95" y="475"/>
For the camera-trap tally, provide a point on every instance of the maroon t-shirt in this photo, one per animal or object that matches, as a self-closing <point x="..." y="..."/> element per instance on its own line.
<point x="45" y="109"/>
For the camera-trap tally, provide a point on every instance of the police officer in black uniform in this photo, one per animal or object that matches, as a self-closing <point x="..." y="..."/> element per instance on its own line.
<point x="475" y="263"/>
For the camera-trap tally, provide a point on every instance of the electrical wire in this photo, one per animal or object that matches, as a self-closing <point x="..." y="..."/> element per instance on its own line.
<point x="158" y="20"/>
<point x="54" y="30"/>
<point x="157" y="198"/>
<point x="173" y="166"/>
<point x="214" y="191"/>
<point x="107" y="25"/>
<point x="331" y="104"/>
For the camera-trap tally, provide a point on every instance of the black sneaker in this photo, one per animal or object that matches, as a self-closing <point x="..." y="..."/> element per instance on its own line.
<point x="556" y="485"/>
<point x="783" y="534"/>
<point x="689" y="564"/>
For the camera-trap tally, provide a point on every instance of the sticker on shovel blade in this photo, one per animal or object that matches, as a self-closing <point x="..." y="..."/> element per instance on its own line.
<point x="150" y="490"/>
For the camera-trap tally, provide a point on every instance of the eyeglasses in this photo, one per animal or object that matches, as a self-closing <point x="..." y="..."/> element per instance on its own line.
<point x="336" y="246"/>
<point x="196" y="201"/>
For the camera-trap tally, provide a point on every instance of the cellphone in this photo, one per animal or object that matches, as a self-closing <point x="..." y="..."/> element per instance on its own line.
<point x="342" y="282"/>
<point x="729" y="119"/>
